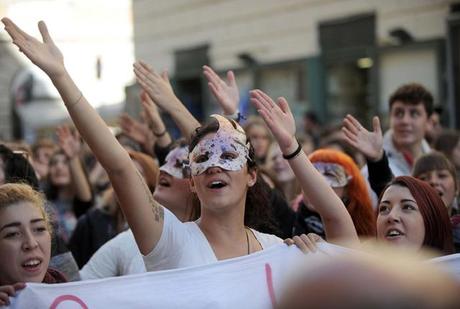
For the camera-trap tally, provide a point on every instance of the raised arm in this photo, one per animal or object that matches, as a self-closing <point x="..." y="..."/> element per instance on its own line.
<point x="143" y="214"/>
<point x="70" y="144"/>
<point x="226" y="93"/>
<point x="160" y="90"/>
<point x="156" y="124"/>
<point x="336" y="219"/>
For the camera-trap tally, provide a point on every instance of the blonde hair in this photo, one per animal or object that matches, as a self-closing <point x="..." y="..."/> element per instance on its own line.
<point x="12" y="193"/>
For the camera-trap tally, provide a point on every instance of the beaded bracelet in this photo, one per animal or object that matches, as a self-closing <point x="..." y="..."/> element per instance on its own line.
<point x="294" y="154"/>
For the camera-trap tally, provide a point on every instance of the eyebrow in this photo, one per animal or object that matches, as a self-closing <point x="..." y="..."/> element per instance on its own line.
<point x="404" y="200"/>
<point x="16" y="224"/>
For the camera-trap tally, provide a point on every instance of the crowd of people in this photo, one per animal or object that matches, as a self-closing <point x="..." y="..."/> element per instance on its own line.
<point x="94" y="204"/>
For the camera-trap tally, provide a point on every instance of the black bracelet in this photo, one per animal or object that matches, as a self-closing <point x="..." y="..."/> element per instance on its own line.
<point x="294" y="154"/>
<point x="160" y="134"/>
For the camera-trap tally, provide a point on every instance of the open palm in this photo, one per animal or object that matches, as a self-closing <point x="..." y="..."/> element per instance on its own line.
<point x="68" y="141"/>
<point x="226" y="93"/>
<point x="367" y="142"/>
<point x="46" y="55"/>
<point x="278" y="117"/>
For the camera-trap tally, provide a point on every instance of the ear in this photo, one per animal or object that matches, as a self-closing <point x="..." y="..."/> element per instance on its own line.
<point x="252" y="178"/>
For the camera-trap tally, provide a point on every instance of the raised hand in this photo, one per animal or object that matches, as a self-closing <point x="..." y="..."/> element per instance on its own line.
<point x="226" y="93"/>
<point x="160" y="91"/>
<point x="69" y="142"/>
<point x="156" y="124"/>
<point x="134" y="129"/>
<point x="278" y="117"/>
<point x="7" y="291"/>
<point x="46" y="55"/>
<point x="151" y="111"/>
<point x="369" y="143"/>
<point x="156" y="85"/>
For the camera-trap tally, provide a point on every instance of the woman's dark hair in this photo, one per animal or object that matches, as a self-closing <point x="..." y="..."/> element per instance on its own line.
<point x="258" y="214"/>
<point x="438" y="231"/>
<point x="17" y="168"/>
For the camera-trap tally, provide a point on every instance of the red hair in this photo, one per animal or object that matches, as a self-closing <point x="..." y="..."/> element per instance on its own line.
<point x="438" y="229"/>
<point x="360" y="205"/>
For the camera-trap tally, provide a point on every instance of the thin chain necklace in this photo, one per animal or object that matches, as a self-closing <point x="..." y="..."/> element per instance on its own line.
<point x="247" y="239"/>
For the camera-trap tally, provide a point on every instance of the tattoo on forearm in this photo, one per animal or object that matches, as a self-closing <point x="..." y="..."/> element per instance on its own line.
<point x="157" y="209"/>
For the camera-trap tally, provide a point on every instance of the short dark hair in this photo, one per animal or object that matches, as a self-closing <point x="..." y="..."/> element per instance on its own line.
<point x="413" y="94"/>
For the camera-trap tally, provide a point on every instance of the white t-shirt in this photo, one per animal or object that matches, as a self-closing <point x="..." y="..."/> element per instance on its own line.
<point x="184" y="245"/>
<point x="118" y="257"/>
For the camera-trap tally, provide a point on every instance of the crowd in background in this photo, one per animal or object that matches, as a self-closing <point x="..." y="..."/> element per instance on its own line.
<point x="400" y="186"/>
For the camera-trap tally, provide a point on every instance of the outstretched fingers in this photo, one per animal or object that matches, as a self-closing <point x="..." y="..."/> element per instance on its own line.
<point x="352" y="125"/>
<point x="14" y="31"/>
<point x="376" y="125"/>
<point x="44" y="32"/>
<point x="284" y="105"/>
<point x="211" y="75"/>
<point x="261" y="101"/>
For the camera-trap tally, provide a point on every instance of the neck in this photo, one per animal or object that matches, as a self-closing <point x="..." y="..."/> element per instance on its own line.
<point x="415" y="149"/>
<point x="182" y="213"/>
<point x="226" y="222"/>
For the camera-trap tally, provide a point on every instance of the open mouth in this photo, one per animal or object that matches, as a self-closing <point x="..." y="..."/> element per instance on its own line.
<point x="393" y="233"/>
<point x="164" y="182"/>
<point x="217" y="184"/>
<point x="32" y="264"/>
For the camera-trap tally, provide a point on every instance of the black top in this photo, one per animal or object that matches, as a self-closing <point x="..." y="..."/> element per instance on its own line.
<point x="93" y="229"/>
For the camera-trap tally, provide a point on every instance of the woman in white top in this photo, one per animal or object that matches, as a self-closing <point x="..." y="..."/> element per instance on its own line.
<point x="221" y="176"/>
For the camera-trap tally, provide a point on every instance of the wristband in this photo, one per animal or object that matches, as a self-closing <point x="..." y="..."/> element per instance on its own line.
<point x="237" y="116"/>
<point x="160" y="134"/>
<point x="294" y="154"/>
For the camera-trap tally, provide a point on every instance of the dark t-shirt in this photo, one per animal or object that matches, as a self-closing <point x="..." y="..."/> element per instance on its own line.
<point x="307" y="221"/>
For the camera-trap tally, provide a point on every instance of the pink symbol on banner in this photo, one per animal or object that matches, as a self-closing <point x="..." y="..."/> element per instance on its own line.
<point x="269" y="278"/>
<point x="64" y="298"/>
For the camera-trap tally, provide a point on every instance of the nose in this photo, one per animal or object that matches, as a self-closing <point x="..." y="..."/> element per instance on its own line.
<point x="433" y="181"/>
<point x="213" y="170"/>
<point x="393" y="215"/>
<point x="29" y="241"/>
<point x="406" y="118"/>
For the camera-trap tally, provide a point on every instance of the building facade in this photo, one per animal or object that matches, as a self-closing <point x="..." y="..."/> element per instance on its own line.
<point x="329" y="56"/>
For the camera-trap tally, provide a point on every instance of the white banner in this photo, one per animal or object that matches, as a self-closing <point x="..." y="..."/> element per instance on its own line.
<point x="254" y="281"/>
